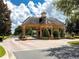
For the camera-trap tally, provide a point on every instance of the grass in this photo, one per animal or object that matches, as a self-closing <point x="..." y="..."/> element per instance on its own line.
<point x="76" y="36"/>
<point x="73" y="42"/>
<point x="69" y="37"/>
<point x="72" y="37"/>
<point x="2" y="51"/>
<point x="4" y="37"/>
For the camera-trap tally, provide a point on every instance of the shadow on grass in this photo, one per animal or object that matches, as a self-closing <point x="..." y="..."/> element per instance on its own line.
<point x="65" y="52"/>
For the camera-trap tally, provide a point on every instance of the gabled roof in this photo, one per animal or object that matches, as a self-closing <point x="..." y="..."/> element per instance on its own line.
<point x="55" y="20"/>
<point x="35" y="20"/>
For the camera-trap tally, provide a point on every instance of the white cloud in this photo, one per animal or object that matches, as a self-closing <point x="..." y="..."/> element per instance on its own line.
<point x="18" y="14"/>
<point x="34" y="9"/>
<point x="10" y="5"/>
<point x="21" y="12"/>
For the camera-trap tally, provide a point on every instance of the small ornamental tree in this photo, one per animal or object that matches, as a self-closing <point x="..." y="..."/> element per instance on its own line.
<point x="46" y="33"/>
<point x="18" y="30"/>
<point x="56" y="34"/>
<point x="30" y="32"/>
<point x="62" y="34"/>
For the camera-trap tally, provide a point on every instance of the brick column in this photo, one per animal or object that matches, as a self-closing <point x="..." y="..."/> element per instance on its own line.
<point x="51" y="33"/>
<point x="23" y="31"/>
<point x="40" y="33"/>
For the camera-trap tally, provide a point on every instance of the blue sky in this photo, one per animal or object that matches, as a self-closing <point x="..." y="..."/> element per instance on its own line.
<point x="18" y="2"/>
<point x="22" y="9"/>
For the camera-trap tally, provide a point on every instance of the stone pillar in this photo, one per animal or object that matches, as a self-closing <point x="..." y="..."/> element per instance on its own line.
<point x="58" y="33"/>
<point x="40" y="33"/>
<point x="23" y="31"/>
<point x="51" y="33"/>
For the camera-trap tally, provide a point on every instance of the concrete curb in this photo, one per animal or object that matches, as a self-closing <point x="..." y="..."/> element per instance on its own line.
<point x="8" y="55"/>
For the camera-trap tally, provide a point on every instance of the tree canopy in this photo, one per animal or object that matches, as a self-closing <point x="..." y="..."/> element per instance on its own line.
<point x="71" y="10"/>
<point x="18" y="30"/>
<point x="5" y="22"/>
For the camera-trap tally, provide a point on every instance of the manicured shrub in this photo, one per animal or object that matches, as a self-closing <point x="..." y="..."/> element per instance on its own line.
<point x="29" y="32"/>
<point x="62" y="34"/>
<point x="56" y="34"/>
<point x="46" y="33"/>
<point x="77" y="37"/>
<point x="18" y="30"/>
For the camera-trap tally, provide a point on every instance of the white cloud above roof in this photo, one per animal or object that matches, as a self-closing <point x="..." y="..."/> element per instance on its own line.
<point x="21" y="12"/>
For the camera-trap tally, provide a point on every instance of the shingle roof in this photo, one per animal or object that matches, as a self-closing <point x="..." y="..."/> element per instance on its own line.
<point x="35" y="20"/>
<point x="54" y="20"/>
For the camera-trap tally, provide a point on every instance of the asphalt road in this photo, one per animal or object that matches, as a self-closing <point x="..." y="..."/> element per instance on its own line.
<point x="65" y="52"/>
<point x="34" y="54"/>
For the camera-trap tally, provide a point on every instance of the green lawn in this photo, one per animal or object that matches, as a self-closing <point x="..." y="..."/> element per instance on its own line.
<point x="2" y="51"/>
<point x="74" y="42"/>
<point x="4" y="37"/>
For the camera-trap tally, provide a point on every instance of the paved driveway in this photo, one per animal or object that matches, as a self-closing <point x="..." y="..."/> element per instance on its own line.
<point x="14" y="46"/>
<point x="65" y="52"/>
<point x="33" y="54"/>
<point x="32" y="49"/>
